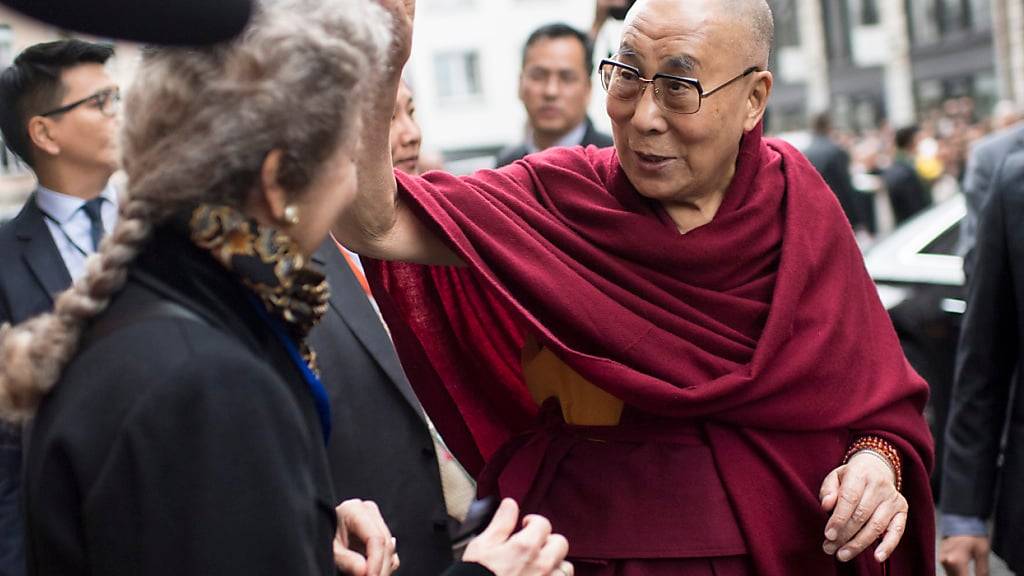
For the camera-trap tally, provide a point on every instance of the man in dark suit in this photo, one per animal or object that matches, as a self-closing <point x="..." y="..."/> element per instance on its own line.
<point x="833" y="163"/>
<point x="381" y="448"/>
<point x="986" y="156"/>
<point x="554" y="86"/>
<point x="984" y="405"/>
<point x="61" y="121"/>
<point x="907" y="193"/>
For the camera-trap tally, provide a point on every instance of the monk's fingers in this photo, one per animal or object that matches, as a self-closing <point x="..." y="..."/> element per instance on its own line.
<point x="552" y="554"/>
<point x="870" y="502"/>
<point x="829" y="492"/>
<point x="871" y="530"/>
<point x="894" y="532"/>
<point x="837" y="529"/>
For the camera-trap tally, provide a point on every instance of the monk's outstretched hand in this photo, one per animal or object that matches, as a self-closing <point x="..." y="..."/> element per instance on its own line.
<point x="865" y="506"/>
<point x="402" y="14"/>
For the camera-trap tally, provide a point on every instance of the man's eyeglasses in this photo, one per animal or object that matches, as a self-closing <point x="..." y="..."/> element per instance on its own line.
<point x="107" y="101"/>
<point x="675" y="94"/>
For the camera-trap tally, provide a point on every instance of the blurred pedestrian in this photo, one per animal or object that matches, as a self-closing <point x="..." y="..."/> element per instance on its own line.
<point x="60" y="118"/>
<point x="180" y="426"/>
<point x="982" y="477"/>
<point x="833" y="163"/>
<point x="555" y="86"/>
<point x="907" y="192"/>
<point x="655" y="328"/>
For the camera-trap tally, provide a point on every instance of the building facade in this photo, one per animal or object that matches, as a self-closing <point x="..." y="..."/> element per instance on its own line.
<point x="869" y="61"/>
<point x="866" y="61"/>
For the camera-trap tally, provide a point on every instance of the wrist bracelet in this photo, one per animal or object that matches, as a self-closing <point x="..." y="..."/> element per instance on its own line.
<point x="882" y="449"/>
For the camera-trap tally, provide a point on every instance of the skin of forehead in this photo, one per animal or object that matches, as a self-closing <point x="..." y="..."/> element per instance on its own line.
<point x="84" y="80"/>
<point x="534" y="61"/>
<point x="712" y="28"/>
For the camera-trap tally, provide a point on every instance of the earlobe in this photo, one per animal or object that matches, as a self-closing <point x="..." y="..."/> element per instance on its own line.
<point x="273" y="196"/>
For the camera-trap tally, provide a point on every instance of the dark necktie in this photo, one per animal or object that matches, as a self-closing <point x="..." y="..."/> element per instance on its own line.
<point x="92" y="210"/>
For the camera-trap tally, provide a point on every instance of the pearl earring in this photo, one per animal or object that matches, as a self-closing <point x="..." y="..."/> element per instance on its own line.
<point x="291" y="215"/>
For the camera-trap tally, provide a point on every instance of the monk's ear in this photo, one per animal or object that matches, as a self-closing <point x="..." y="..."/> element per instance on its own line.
<point x="757" y="99"/>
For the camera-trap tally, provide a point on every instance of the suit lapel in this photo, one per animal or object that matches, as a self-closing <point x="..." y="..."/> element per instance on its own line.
<point x="350" y="303"/>
<point x="40" y="252"/>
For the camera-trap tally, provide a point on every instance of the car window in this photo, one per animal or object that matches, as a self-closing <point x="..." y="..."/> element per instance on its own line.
<point x="946" y="243"/>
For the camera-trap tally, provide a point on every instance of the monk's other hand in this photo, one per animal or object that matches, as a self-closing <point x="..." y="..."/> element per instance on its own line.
<point x="533" y="551"/>
<point x="363" y="545"/>
<point x="957" y="552"/>
<point x="865" y="506"/>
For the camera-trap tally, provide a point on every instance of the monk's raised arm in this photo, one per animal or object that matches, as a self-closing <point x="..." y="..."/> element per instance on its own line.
<point x="378" y="223"/>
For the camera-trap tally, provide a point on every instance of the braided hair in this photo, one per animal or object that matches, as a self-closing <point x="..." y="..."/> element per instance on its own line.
<point x="198" y="125"/>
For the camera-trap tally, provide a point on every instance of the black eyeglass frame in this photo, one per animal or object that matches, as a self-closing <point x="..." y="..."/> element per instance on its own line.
<point x="646" y="82"/>
<point x="99" y="98"/>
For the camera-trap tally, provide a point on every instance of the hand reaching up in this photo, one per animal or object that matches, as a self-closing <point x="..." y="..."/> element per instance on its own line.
<point x="402" y="14"/>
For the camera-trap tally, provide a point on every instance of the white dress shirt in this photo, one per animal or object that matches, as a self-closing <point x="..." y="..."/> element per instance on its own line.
<point x="70" y="227"/>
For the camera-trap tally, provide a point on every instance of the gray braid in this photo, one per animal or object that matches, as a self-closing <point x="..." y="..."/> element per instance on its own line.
<point x="198" y="124"/>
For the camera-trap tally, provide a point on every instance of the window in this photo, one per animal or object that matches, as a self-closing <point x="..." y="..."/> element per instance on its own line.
<point x="457" y="74"/>
<point x="787" y="28"/>
<point x="923" y="20"/>
<point x="955" y="16"/>
<point x="864" y="12"/>
<point x="981" y="14"/>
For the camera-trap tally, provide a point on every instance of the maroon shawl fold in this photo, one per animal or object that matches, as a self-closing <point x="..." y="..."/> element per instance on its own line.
<point x="763" y="325"/>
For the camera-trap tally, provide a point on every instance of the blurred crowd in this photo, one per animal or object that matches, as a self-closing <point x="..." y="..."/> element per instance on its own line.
<point x="937" y="149"/>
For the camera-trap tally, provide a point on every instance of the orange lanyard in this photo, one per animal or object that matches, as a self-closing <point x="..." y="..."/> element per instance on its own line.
<point x="354" y="267"/>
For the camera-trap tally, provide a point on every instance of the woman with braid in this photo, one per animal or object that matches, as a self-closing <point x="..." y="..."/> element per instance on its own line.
<point x="179" y="424"/>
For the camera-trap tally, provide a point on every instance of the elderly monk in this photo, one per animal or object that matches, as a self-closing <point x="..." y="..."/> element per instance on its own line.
<point x="671" y="347"/>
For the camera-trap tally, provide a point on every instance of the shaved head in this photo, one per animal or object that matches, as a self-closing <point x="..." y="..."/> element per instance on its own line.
<point x="754" y="17"/>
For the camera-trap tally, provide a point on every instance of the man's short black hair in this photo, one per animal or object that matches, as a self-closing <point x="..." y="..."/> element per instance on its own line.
<point x="905" y="137"/>
<point x="32" y="86"/>
<point x="560" y="30"/>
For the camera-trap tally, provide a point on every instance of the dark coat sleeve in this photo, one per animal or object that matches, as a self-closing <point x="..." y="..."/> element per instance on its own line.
<point x="986" y="360"/>
<point x="977" y="181"/>
<point x="211" y="474"/>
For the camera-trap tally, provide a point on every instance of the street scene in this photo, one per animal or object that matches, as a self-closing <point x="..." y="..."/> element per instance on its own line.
<point x="512" y="287"/>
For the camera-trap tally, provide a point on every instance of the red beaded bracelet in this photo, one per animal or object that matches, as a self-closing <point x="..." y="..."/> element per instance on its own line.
<point x="882" y="448"/>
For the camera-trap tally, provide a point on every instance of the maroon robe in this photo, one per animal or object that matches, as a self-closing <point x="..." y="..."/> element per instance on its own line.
<point x="761" y="328"/>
